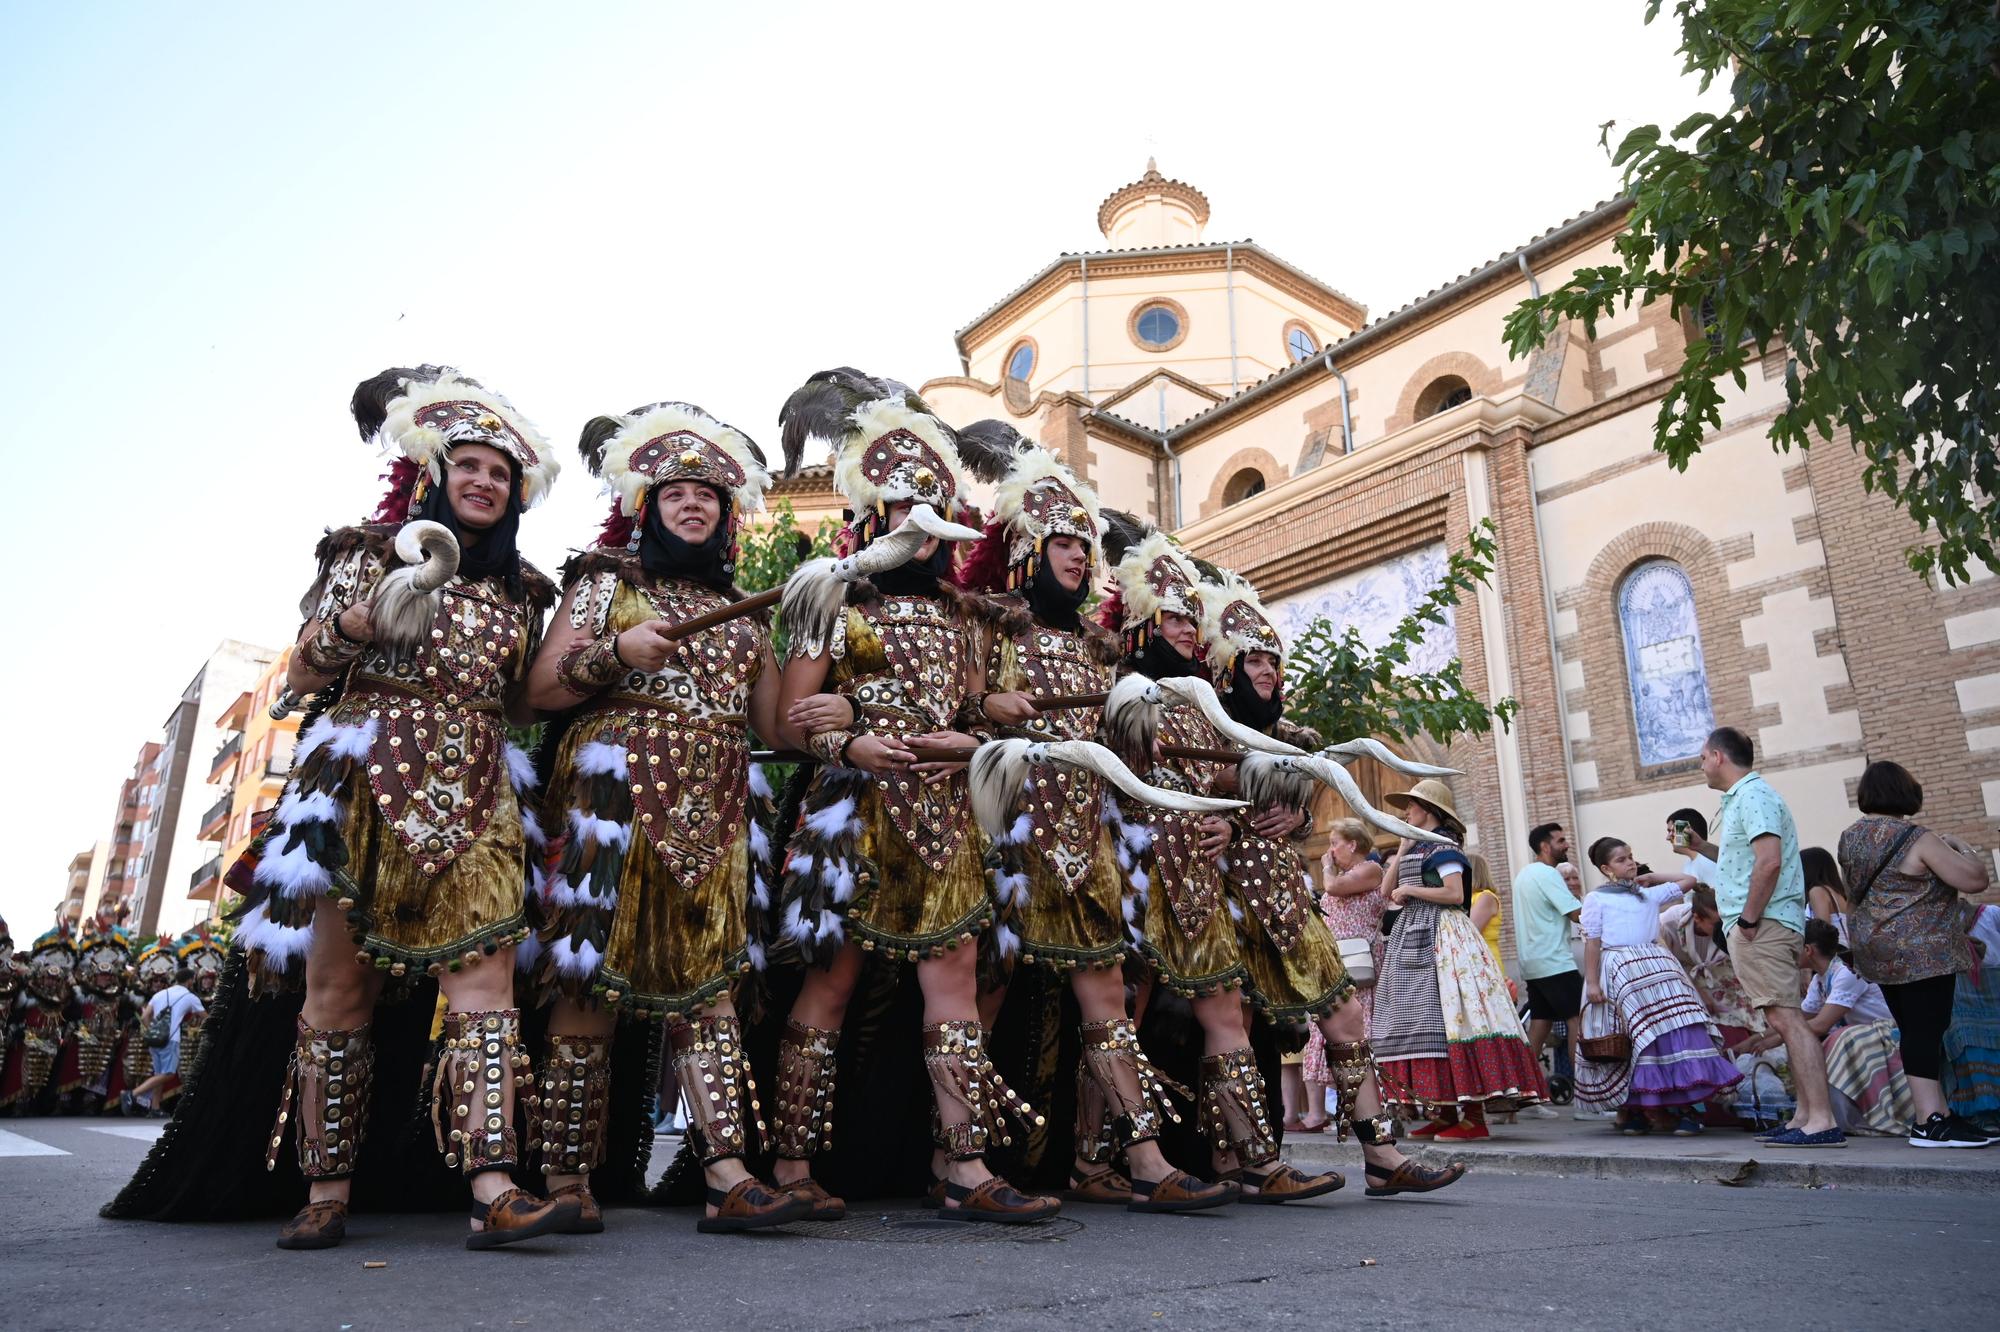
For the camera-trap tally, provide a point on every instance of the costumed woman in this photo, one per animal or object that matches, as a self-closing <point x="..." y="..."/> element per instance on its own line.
<point x="1186" y="934"/>
<point x="44" y="1006"/>
<point x="1675" y="1061"/>
<point x="651" y="867"/>
<point x="1058" y="882"/>
<point x="398" y="845"/>
<point x="1295" y="975"/>
<point x="887" y="860"/>
<point x="1447" y="1039"/>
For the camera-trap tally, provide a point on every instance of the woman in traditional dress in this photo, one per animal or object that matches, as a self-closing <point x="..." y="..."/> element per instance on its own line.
<point x="398" y="845"/>
<point x="886" y="860"/>
<point x="1351" y="904"/>
<point x="1972" y="1041"/>
<point x="1447" y="1039"/>
<point x="656" y="858"/>
<point x="1675" y="1061"/>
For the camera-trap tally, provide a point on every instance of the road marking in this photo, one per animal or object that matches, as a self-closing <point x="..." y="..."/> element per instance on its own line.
<point x="142" y="1132"/>
<point x="13" y="1144"/>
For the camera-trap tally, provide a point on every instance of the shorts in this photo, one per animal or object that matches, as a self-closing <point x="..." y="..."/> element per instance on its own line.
<point x="1767" y="964"/>
<point x="1556" y="998"/>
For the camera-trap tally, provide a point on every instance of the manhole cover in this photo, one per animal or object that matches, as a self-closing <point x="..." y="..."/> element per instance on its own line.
<point x="925" y="1228"/>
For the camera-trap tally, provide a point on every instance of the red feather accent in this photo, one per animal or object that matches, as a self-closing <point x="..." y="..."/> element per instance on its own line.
<point x="616" y="533"/>
<point x="395" y="505"/>
<point x="985" y="568"/>
<point x="1111" y="610"/>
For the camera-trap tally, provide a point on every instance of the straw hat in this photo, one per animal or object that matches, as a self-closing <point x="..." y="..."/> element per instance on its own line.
<point x="1431" y="793"/>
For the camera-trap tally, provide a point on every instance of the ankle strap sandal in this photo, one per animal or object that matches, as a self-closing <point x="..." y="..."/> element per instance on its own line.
<point x="750" y="1206"/>
<point x="995" y="1200"/>
<point x="1411" y="1177"/>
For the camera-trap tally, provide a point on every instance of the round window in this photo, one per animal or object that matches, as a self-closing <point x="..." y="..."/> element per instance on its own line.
<point x="1157" y="326"/>
<point x="1021" y="362"/>
<point x="1300" y="343"/>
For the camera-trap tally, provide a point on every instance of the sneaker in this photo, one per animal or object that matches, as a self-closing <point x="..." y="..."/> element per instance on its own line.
<point x="1688" y="1128"/>
<point x="1947" y="1131"/>
<point x="1584" y="1113"/>
<point x="1539" y="1111"/>
<point x="1429" y="1130"/>
<point x="1792" y="1137"/>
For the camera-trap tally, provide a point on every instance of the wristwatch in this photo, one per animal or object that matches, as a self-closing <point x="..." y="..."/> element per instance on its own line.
<point x="1749" y="924"/>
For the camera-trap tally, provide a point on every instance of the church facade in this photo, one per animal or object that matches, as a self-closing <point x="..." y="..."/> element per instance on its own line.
<point x="1335" y="459"/>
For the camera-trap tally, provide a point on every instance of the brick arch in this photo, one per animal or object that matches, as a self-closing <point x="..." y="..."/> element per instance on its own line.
<point x="1273" y="470"/>
<point x="1483" y="379"/>
<point x="1599" y="644"/>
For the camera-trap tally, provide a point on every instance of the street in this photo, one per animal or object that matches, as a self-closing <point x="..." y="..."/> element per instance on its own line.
<point x="1499" y="1249"/>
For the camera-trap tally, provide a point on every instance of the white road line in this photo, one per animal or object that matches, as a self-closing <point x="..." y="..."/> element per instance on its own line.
<point x="142" y="1132"/>
<point x="13" y="1144"/>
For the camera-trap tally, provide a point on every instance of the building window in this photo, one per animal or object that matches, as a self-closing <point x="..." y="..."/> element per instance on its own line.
<point x="1158" y="325"/>
<point x="1242" y="486"/>
<point x="1299" y="341"/>
<point x="1021" y="361"/>
<point x="1014" y="379"/>
<point x="1442" y="395"/>
<point x="1671" y="712"/>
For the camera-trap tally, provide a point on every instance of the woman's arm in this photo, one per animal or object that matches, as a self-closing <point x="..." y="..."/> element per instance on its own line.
<point x="1828" y="1017"/>
<point x="1485" y="906"/>
<point x="1820" y="899"/>
<point x="764" y="697"/>
<point x="1365" y="877"/>
<point x="1956" y="866"/>
<point x="1593" y="958"/>
<point x="1448" y="893"/>
<point x="802" y="678"/>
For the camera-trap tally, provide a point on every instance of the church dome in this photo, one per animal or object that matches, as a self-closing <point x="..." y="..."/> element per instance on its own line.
<point x="1153" y="210"/>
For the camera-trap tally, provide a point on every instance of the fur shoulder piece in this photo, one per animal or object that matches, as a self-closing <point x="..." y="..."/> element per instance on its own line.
<point x="1103" y="644"/>
<point x="378" y="539"/>
<point x="1007" y="615"/>
<point x="583" y="564"/>
<point x="1304" y="737"/>
<point x="538" y="588"/>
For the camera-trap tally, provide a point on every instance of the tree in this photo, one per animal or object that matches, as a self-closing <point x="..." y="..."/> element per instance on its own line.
<point x="765" y="557"/>
<point x="1840" y="210"/>
<point x="1343" y="689"/>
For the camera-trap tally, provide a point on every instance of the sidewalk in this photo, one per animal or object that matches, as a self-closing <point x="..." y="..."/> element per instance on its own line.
<point x="1566" y="1148"/>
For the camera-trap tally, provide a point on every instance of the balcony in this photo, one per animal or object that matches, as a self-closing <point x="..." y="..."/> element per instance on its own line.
<point x="278" y="766"/>
<point x="214" y="819"/>
<point x="204" y="882"/>
<point x="223" y="755"/>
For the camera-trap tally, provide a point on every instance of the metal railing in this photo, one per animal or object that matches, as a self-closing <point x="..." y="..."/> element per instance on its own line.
<point x="210" y="870"/>
<point x="224" y="754"/>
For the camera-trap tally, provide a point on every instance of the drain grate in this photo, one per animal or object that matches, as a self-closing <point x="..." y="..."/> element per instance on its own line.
<point x="925" y="1228"/>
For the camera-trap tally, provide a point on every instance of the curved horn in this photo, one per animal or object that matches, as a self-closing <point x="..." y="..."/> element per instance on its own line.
<point x="1132" y="714"/>
<point x="1348" y="750"/>
<point x="817" y="590"/>
<point x="1093" y="757"/>
<point x="432" y="549"/>
<point x="406" y="600"/>
<point x="1200" y="692"/>
<point x="926" y="520"/>
<point x="1342" y="782"/>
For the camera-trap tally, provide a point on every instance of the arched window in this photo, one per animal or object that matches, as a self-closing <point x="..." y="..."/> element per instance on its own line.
<point x="1021" y="361"/>
<point x="1299" y="341"/>
<point x="1014" y="380"/>
<point x="1441" y="395"/>
<point x="1671" y="712"/>
<point x="1242" y="486"/>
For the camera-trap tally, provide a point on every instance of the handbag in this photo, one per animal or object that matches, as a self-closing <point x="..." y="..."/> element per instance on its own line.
<point x="1609" y="1045"/>
<point x="1357" y="954"/>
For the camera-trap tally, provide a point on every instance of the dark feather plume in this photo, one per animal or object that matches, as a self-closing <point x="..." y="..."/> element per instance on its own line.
<point x="990" y="448"/>
<point x="1122" y="531"/>
<point x="821" y="406"/>
<point x="372" y="396"/>
<point x="597" y="433"/>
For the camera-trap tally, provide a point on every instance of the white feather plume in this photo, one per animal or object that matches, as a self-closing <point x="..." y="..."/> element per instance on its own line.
<point x="406" y="601"/>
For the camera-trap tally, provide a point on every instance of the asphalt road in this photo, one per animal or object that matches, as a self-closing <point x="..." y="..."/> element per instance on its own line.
<point x="1501" y="1250"/>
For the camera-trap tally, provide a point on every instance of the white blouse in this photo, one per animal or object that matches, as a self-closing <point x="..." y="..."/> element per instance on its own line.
<point x="1839" y="985"/>
<point x="1627" y="920"/>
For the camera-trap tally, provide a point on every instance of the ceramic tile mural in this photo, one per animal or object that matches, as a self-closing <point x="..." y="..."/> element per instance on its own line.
<point x="1671" y="711"/>
<point x="1374" y="600"/>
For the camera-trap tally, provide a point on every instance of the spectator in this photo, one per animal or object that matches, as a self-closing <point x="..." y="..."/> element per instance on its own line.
<point x="1909" y="928"/>
<point x="1972" y="1041"/>
<point x="1353" y="904"/>
<point x="1486" y="911"/>
<point x="173" y="1003"/>
<point x="1761" y="892"/>
<point x="1674" y="1063"/>
<point x="1684" y="828"/>
<point x="1864" y="1073"/>
<point x="1544" y="907"/>
<point x="1689" y="931"/>
<point x="1826" y="895"/>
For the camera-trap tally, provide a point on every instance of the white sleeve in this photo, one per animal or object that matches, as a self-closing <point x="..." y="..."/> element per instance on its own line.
<point x="1593" y="916"/>
<point x="1664" y="895"/>
<point x="1847" y="989"/>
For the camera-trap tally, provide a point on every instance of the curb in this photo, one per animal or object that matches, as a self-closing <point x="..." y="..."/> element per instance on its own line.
<point x="1762" y="1171"/>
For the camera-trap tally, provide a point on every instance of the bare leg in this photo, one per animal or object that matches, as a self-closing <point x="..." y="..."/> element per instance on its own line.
<point x="1808" y="1061"/>
<point x="340" y="996"/>
<point x="1100" y="996"/>
<point x="822" y="1004"/>
<point x="484" y="988"/>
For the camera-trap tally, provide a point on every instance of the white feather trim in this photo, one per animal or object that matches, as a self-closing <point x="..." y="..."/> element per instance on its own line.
<point x="760" y="785"/>
<point x="1011" y="890"/>
<point x="293" y="872"/>
<point x="521" y="769"/>
<point x="354" y="742"/>
<point x="1130" y="906"/>
<point x="531" y="829"/>
<point x="1137" y="836"/>
<point x="839" y="876"/>
<point x="280" y="944"/>
<point x="574" y="961"/>
<point x="1235" y="912"/>
<point x="835" y="819"/>
<point x="760" y="892"/>
<point x="795" y="927"/>
<point x="831" y="928"/>
<point x="1023" y="829"/>
<point x="310" y="807"/>
<point x="1009" y="943"/>
<point x="604" y="832"/>
<point x="1142" y="883"/>
<point x="528" y="952"/>
<point x="756" y="951"/>
<point x="310" y="739"/>
<point x="598" y="759"/>
<point x="760" y="842"/>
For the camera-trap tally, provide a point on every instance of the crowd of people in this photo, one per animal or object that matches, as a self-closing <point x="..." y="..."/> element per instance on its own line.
<point x="1834" y="992"/>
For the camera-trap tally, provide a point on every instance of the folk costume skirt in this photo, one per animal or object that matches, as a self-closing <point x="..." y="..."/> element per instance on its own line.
<point x="1445" y="1033"/>
<point x="1677" y="1060"/>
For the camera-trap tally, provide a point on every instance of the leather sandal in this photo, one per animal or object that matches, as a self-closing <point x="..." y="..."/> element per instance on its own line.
<point x="517" y="1215"/>
<point x="825" y="1207"/>
<point x="751" y="1206"/>
<point x="1283" y="1184"/>
<point x="589" y="1215"/>
<point x="318" y="1225"/>
<point x="934" y="1195"/>
<point x="1180" y="1192"/>
<point x="1411" y="1177"/>
<point x="995" y="1200"/>
<point x="1106" y="1186"/>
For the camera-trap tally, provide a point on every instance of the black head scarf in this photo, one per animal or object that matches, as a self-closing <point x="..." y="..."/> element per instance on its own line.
<point x="1246" y="705"/>
<point x="918" y="578"/>
<point x="1160" y="660"/>
<point x="712" y="563"/>
<point x="492" y="553"/>
<point x="1052" y="603"/>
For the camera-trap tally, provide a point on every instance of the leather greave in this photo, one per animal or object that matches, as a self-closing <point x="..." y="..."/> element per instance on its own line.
<point x="716" y="1087"/>
<point x="572" y="1093"/>
<point x="802" y="1119"/>
<point x="479" y="1072"/>
<point x="326" y="1087"/>
<point x="1350" y="1066"/>
<point x="1109" y="1115"/>
<point x="971" y="1102"/>
<point x="1232" y="1107"/>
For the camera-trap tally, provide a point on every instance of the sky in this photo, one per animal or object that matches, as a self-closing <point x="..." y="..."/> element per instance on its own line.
<point x="219" y="218"/>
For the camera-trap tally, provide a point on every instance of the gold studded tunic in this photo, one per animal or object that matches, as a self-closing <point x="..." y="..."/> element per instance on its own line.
<point x="905" y="662"/>
<point x="1075" y="910"/>
<point x="677" y="932"/>
<point x="435" y="849"/>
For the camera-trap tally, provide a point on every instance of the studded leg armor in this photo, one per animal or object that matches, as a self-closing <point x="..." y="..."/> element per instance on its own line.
<point x="1352" y="1066"/>
<point x="566" y="1130"/>
<point x="327" y="1086"/>
<point x="478" y="1072"/>
<point x="972" y="1103"/>
<point x="803" y="1116"/>
<point x="716" y="1086"/>
<point x="1121" y="1098"/>
<point x="1232" y="1107"/>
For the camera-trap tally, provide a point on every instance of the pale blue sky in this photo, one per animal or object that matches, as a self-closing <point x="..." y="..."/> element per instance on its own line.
<point x="219" y="217"/>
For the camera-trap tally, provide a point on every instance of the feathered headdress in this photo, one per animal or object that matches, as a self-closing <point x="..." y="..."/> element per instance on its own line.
<point x="1235" y="621"/>
<point x="424" y="412"/>
<point x="1151" y="577"/>
<point x="670" y="441"/>
<point x="1035" y="497"/>
<point x="887" y="446"/>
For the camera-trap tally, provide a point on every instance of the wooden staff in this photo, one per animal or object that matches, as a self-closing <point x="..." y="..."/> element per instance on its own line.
<point x="735" y="610"/>
<point x="963" y="754"/>
<point x="1070" y="702"/>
